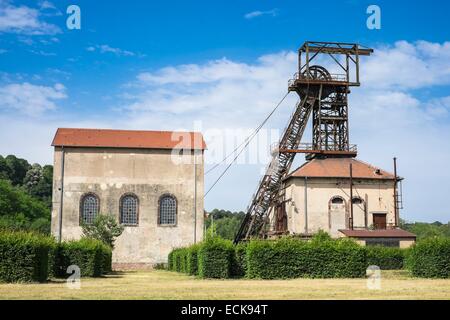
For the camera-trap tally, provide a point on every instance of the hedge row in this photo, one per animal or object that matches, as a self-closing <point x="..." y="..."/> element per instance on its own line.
<point x="285" y="258"/>
<point x="320" y="258"/>
<point x="290" y="258"/>
<point x="430" y="258"/>
<point x="209" y="259"/>
<point x="91" y="256"/>
<point x="29" y="257"/>
<point x="387" y="258"/>
<point x="24" y="256"/>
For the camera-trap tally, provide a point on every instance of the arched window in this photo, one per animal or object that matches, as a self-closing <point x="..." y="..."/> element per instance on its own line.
<point x="357" y="200"/>
<point x="129" y="206"/>
<point x="167" y="210"/>
<point x="337" y="200"/>
<point x="89" y="208"/>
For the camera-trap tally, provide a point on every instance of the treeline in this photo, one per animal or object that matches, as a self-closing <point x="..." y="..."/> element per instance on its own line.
<point x="425" y="230"/>
<point x="224" y="223"/>
<point x="25" y="195"/>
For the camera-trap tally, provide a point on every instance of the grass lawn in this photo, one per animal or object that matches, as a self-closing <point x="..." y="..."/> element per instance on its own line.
<point x="169" y="285"/>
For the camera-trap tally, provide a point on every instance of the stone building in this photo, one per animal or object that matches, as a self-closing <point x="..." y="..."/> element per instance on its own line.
<point x="318" y="196"/>
<point x="151" y="181"/>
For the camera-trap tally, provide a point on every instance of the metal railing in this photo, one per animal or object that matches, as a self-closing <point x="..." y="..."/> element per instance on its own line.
<point x="310" y="147"/>
<point x="333" y="77"/>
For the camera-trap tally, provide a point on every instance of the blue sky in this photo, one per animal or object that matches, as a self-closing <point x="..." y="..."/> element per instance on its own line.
<point x="223" y="65"/>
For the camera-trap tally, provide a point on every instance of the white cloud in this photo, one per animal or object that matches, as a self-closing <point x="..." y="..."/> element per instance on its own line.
<point x="23" y="20"/>
<point x="104" y="48"/>
<point x="408" y="66"/>
<point x="258" y="13"/>
<point x="31" y="99"/>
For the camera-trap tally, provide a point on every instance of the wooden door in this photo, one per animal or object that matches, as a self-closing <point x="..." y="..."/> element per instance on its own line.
<point x="379" y="221"/>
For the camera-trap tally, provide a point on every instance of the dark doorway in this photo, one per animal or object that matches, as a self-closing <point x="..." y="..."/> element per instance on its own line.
<point x="281" y="217"/>
<point x="379" y="221"/>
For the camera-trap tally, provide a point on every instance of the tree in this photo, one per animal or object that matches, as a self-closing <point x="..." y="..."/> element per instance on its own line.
<point x="104" y="228"/>
<point x="20" y="211"/>
<point x="38" y="182"/>
<point x="5" y="170"/>
<point x="226" y="223"/>
<point x="18" y="169"/>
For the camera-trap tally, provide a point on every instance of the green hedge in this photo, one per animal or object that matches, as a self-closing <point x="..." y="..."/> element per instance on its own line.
<point x="179" y="260"/>
<point x="91" y="256"/>
<point x="24" y="256"/>
<point x="386" y="258"/>
<point x="430" y="258"/>
<point x="239" y="261"/>
<point x="290" y="258"/>
<point x="214" y="258"/>
<point x="192" y="259"/>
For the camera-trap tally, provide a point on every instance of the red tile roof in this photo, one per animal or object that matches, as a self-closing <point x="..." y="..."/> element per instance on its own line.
<point x="388" y="233"/>
<point x="340" y="168"/>
<point x="128" y="139"/>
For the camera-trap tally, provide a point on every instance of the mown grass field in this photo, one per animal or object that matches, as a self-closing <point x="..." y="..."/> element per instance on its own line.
<point x="168" y="285"/>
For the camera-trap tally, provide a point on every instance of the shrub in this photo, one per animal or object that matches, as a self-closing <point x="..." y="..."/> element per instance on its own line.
<point x="179" y="260"/>
<point x="386" y="258"/>
<point x="105" y="228"/>
<point x="24" y="256"/>
<point x="239" y="260"/>
<point x="214" y="258"/>
<point x="170" y="261"/>
<point x="290" y="258"/>
<point x="92" y="257"/>
<point x="192" y="259"/>
<point x="430" y="258"/>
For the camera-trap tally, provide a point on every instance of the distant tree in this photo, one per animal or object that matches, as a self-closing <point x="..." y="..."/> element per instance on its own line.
<point x="425" y="230"/>
<point x="104" y="228"/>
<point x="38" y="182"/>
<point x="17" y="169"/>
<point x="20" y="211"/>
<point x="5" y="170"/>
<point x="226" y="223"/>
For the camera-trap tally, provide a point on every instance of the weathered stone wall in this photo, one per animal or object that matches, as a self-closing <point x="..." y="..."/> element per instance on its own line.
<point x="111" y="173"/>
<point x="378" y="196"/>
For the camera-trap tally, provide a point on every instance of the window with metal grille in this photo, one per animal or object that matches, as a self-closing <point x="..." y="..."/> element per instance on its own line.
<point x="337" y="200"/>
<point x="89" y="208"/>
<point x="167" y="210"/>
<point x="129" y="210"/>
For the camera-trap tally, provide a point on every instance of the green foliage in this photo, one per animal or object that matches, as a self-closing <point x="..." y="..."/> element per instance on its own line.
<point x="291" y="258"/>
<point x="430" y="258"/>
<point x="38" y="183"/>
<point x="386" y="258"/>
<point x="214" y="258"/>
<point x="239" y="260"/>
<point x="321" y="236"/>
<point x="427" y="230"/>
<point x="226" y="223"/>
<point x="192" y="259"/>
<point x="14" y="169"/>
<point x="93" y="258"/>
<point x="105" y="228"/>
<point x="24" y="256"/>
<point x="20" y="211"/>
<point x="179" y="260"/>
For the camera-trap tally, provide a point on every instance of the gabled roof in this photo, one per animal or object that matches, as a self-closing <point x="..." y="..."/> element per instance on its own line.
<point x="385" y="233"/>
<point x="340" y="168"/>
<point x="107" y="138"/>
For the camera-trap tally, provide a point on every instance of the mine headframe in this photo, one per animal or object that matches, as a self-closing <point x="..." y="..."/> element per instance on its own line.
<point x="323" y="92"/>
